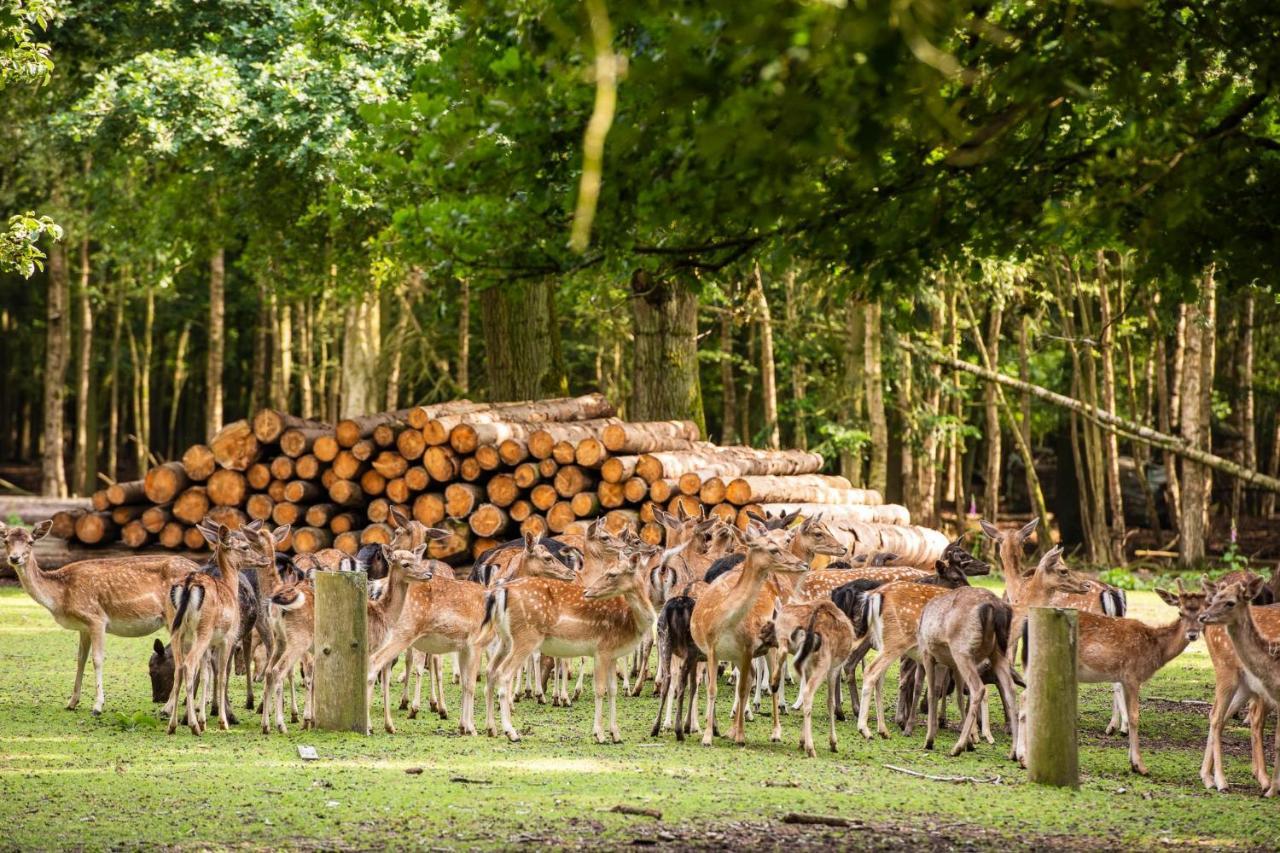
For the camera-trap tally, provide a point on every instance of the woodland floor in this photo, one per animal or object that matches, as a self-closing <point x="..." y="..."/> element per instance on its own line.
<point x="68" y="780"/>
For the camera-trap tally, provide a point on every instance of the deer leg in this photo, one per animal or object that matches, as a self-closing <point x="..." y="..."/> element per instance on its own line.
<point x="293" y="698"/>
<point x="1273" y="787"/>
<point x="222" y="677"/>
<point x="514" y="663"/>
<point x="739" y="732"/>
<point x="195" y="667"/>
<point x="931" y="697"/>
<point x="775" y="697"/>
<point x="871" y="682"/>
<point x="1008" y="698"/>
<point x="967" y="678"/>
<point x="82" y="655"/>
<point x="98" y="646"/>
<point x="1119" y="716"/>
<point x="406" y="680"/>
<point x="436" y="674"/>
<point x="1131" y="705"/>
<point x="246" y="657"/>
<point x="663" y="698"/>
<point x="709" y="726"/>
<point x="808" y="686"/>
<point x="176" y="690"/>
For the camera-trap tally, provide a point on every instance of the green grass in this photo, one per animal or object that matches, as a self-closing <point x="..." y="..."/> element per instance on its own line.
<point x="70" y="780"/>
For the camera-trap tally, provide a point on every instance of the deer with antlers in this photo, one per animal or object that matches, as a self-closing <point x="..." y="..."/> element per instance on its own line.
<point x="122" y="596"/>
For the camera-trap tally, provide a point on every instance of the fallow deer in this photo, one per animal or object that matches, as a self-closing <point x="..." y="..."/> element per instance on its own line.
<point x="123" y="596"/>
<point x="962" y="630"/>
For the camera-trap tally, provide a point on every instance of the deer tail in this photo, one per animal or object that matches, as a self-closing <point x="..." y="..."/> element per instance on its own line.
<point x="495" y="617"/>
<point x="812" y="642"/>
<point x="875" y="620"/>
<point x="187" y="598"/>
<point x="1001" y="620"/>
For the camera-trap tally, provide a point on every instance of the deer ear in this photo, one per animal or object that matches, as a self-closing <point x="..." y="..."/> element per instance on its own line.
<point x="4" y="528"/>
<point x="254" y="526"/>
<point x="400" y="519"/>
<point x="41" y="530"/>
<point x="990" y="529"/>
<point x="437" y="533"/>
<point x="210" y="535"/>
<point x="420" y="550"/>
<point x="281" y="533"/>
<point x="224" y="533"/>
<point x="529" y="540"/>
<point x="1028" y="529"/>
<point x="158" y="647"/>
<point x="1168" y="597"/>
<point x="1253" y="586"/>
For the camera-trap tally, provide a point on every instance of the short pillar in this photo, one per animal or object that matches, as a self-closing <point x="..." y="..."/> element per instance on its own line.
<point x="341" y="650"/>
<point x="1052" y="757"/>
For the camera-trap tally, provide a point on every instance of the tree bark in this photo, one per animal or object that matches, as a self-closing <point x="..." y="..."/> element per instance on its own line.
<point x="53" y="477"/>
<point x="213" y="366"/>
<point x="878" y="474"/>
<point x="768" y="371"/>
<point x="665" y="322"/>
<point x="179" y="380"/>
<point x="728" y="390"/>
<point x="1166" y="409"/>
<point x="82" y="464"/>
<point x="855" y="387"/>
<point x="113" y="377"/>
<point x="361" y="344"/>
<point x="1244" y="363"/>
<point x="1111" y="444"/>
<point x="306" y="359"/>
<point x="463" y="372"/>
<point x="800" y="430"/>
<point x="521" y="344"/>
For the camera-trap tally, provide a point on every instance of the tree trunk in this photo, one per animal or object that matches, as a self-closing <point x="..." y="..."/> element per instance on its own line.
<point x="463" y="373"/>
<point x="855" y="387"/>
<point x="1192" y="429"/>
<point x="396" y="344"/>
<point x="520" y="358"/>
<point x="306" y="360"/>
<point x="213" y="367"/>
<point x="1244" y="363"/>
<point x="1111" y="444"/>
<point x="361" y="342"/>
<point x="113" y="377"/>
<point x="930" y="462"/>
<point x="991" y="416"/>
<point x="81" y="469"/>
<point x="53" y="478"/>
<point x="728" y="390"/>
<point x="1166" y="407"/>
<point x="879" y="425"/>
<point x="800" y="431"/>
<point x="284" y="347"/>
<point x="664" y="314"/>
<point x="259" y="392"/>
<point x="768" y="373"/>
<point x="179" y="379"/>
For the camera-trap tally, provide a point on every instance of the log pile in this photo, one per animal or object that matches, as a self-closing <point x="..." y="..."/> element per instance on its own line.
<point x="485" y="471"/>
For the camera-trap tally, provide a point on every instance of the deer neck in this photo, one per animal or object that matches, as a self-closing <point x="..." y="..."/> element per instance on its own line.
<point x="1013" y="583"/>
<point x="639" y="601"/>
<point x="743" y="595"/>
<point x="45" y="589"/>
<point x="230" y="568"/>
<point x="268" y="575"/>
<point x="1255" y="652"/>
<point x="802" y="548"/>
<point x="1171" y="640"/>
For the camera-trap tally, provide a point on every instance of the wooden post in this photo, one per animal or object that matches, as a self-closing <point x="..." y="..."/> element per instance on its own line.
<point x="1052" y="757"/>
<point x="342" y="655"/>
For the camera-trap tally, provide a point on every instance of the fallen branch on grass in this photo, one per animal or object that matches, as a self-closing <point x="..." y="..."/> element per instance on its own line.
<point x="465" y="781"/>
<point x="818" y="819"/>
<point x="1199" y="703"/>
<point x="637" y="810"/>
<point x="994" y="780"/>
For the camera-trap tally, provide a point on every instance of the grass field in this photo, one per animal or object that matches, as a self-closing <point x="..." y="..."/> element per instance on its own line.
<point x="70" y="780"/>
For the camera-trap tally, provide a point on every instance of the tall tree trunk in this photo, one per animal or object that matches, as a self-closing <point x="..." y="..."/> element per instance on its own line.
<point x="1165" y="408"/>
<point x="1111" y="443"/>
<point x="113" y="376"/>
<point x="179" y="380"/>
<point x="878" y="473"/>
<point x="361" y="347"/>
<point x="213" y="366"/>
<point x="728" y="390"/>
<point x="930" y="442"/>
<point x="463" y="373"/>
<point x="398" y="333"/>
<point x="1193" y="428"/>
<point x="855" y="364"/>
<point x="991" y="412"/>
<point x="306" y="359"/>
<point x="800" y="431"/>
<point x="53" y="477"/>
<point x="260" y="390"/>
<point x="664" y="314"/>
<point x="1248" y="443"/>
<point x="907" y="420"/>
<point x="768" y="375"/>
<point x="520" y="340"/>
<point x="81" y="467"/>
<point x="748" y="385"/>
<point x="958" y="485"/>
<point x="284" y="338"/>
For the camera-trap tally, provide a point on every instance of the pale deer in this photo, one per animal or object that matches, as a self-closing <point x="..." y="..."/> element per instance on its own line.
<point x="204" y="617"/>
<point x="726" y="624"/>
<point x="821" y="638"/>
<point x="964" y="629"/>
<point x="268" y="583"/>
<point x="293" y="626"/>
<point x="122" y="596"/>
<point x="562" y="619"/>
<point x="1258" y="653"/>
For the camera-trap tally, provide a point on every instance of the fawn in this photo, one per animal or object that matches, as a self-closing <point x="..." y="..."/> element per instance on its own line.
<point x="122" y="596"/>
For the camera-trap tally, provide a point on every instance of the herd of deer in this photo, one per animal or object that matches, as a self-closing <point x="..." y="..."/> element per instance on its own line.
<point x="714" y="595"/>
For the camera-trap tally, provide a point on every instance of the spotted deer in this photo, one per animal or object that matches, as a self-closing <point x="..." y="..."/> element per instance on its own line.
<point x="122" y="596"/>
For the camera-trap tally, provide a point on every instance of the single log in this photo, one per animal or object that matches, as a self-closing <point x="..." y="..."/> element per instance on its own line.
<point x="296" y="442"/>
<point x="616" y="469"/>
<point x="390" y="464"/>
<point x="513" y="451"/>
<point x="840" y="513"/>
<point x="346" y="493"/>
<point x="258" y="475"/>
<point x="502" y="490"/>
<point x="122" y="515"/>
<point x="805" y="488"/>
<point x="649" y="436"/>
<point x="235" y="446"/>
<point x="326" y="448"/>
<point x="461" y="499"/>
<point x="649" y="468"/>
<point x="282" y="468"/>
<point x="420" y="415"/>
<point x="192" y="505"/>
<point x="373" y="483"/>
<point x="689" y="483"/>
<point x="172" y="535"/>
<point x="1052" y="751"/>
<point x="467" y="436"/>
<point x="417" y="478"/>
<point x="441" y="463"/>
<point x="712" y="491"/>
<point x="520" y="510"/>
<point x="192" y="539"/>
<point x="915" y="546"/>
<point x="302" y="492"/>
<point x="543" y="495"/>
<point x="590" y="453"/>
<point x="710" y="460"/>
<point x="429" y="508"/>
<point x="534" y="412"/>
<point x="489" y="520"/>
<point x="469" y="470"/>
<point x="269" y="424"/>
<point x="618" y="520"/>
<point x="199" y="462"/>
<point x="132" y="492"/>
<point x="100" y="501"/>
<point x="275" y="490"/>
<point x="344" y="522"/>
<point x="348" y="542"/>
<point x="156" y="517"/>
<point x="410" y="444"/>
<point x="384" y="435"/>
<point x="571" y="479"/>
<point x="560" y="516"/>
<point x="227" y="488"/>
<point x="287" y="513"/>
<point x="728" y="513"/>
<point x="398" y="491"/>
<point x="547" y="468"/>
<point x="64" y="523"/>
<point x="525" y="475"/>
<point x="534" y="525"/>
<point x="692" y="506"/>
<point x="259" y="506"/>
<point x="634" y="490"/>
<point x="351" y="430"/>
<point x="164" y="482"/>
<point x="307" y="467"/>
<point x="487" y="457"/>
<point x="661" y="491"/>
<point x="319" y="515"/>
<point x="612" y="495"/>
<point x="363" y="450"/>
<point x="652" y="533"/>
<point x="134" y="534"/>
<point x="563" y="452"/>
<point x="346" y="466"/>
<point x="585" y="505"/>
<point x="308" y="540"/>
<point x="646" y="511"/>
<point x="378" y="510"/>
<point x="233" y="517"/>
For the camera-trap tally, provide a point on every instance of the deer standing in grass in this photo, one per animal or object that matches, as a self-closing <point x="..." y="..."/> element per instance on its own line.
<point x="562" y="619"/>
<point x="204" y="617"/>
<point x="123" y="596"/>
<point x="726" y="624"/>
<point x="1259" y="657"/>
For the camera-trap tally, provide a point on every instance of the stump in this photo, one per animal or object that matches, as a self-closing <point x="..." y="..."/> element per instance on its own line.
<point x="341" y="651"/>
<point x="1052" y="757"/>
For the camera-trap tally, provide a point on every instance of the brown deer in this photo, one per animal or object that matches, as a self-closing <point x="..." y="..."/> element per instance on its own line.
<point x="204" y="617"/>
<point x="964" y="629"/>
<point x="123" y="596"/>
<point x="820" y="637"/>
<point x="1259" y="657"/>
<point x="726" y="623"/>
<point x="604" y="621"/>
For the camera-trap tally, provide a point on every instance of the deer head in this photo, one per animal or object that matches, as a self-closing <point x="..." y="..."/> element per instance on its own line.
<point x="18" y="541"/>
<point x="1009" y="546"/>
<point x="408" y="565"/>
<point x="1052" y="577"/>
<point x="1227" y="601"/>
<point x="625" y="576"/>
<point x="765" y="554"/>
<point x="232" y="545"/>
<point x="266" y="541"/>
<point x="540" y="562"/>
<point x="950" y="574"/>
<point x="1191" y="605"/>
<point x="814" y="537"/>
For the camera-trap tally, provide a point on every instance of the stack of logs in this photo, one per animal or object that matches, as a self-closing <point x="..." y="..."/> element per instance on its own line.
<point x="486" y="471"/>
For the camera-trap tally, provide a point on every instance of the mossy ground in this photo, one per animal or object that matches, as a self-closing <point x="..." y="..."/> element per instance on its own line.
<point x="70" y="780"/>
